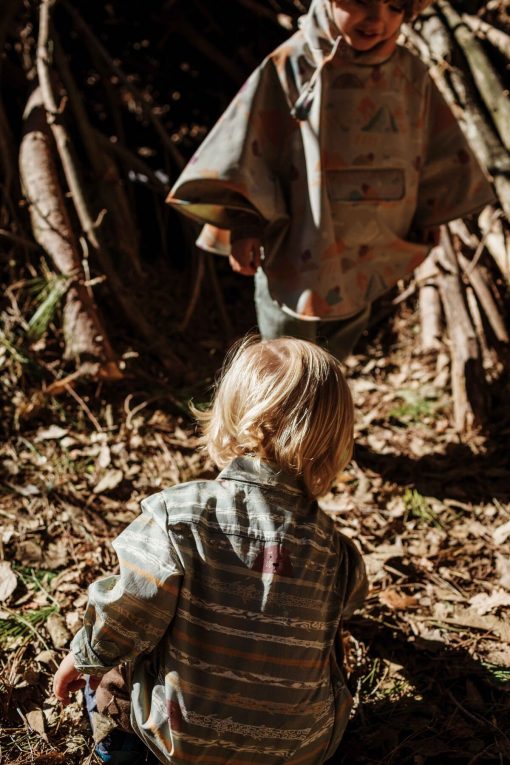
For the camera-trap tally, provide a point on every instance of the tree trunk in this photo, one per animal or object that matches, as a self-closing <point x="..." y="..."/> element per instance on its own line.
<point x="85" y="335"/>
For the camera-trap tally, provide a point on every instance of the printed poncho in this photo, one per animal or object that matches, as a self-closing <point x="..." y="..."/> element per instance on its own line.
<point x="339" y="160"/>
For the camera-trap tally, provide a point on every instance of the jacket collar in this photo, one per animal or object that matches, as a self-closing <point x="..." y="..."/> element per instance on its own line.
<point x="257" y="471"/>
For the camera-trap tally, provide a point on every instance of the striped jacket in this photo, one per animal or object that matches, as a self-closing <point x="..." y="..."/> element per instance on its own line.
<point x="228" y="608"/>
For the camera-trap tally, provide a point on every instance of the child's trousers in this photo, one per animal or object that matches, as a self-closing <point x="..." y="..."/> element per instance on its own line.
<point x="339" y="337"/>
<point x="108" y="709"/>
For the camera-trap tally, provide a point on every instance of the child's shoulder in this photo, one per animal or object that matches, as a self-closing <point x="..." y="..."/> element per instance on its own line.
<point x="410" y="62"/>
<point x="292" y="49"/>
<point x="184" y="500"/>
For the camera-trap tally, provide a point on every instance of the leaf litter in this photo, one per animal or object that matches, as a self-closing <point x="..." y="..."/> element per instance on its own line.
<point x="429" y="655"/>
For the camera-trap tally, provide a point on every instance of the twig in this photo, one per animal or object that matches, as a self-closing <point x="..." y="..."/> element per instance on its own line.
<point x="85" y="408"/>
<point x="195" y="291"/>
<point x="133" y="162"/>
<point x="18" y="239"/>
<point x="218" y="294"/>
<point x="481" y="245"/>
<point x="109" y="185"/>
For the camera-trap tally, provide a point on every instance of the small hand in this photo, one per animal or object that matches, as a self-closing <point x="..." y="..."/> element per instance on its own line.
<point x="246" y="256"/>
<point x="67" y="680"/>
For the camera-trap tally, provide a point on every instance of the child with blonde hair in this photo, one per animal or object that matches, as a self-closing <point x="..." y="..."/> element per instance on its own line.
<point x="220" y="639"/>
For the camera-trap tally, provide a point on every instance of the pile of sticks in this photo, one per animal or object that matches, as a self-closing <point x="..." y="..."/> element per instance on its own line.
<point x="464" y="281"/>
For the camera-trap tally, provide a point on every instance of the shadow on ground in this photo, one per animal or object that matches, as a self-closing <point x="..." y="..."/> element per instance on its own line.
<point x="455" y="710"/>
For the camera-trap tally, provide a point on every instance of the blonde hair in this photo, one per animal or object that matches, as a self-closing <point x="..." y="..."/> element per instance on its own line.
<point x="286" y="401"/>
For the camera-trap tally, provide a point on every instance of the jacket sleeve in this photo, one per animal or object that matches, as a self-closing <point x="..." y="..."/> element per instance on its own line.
<point x="357" y="582"/>
<point x="234" y="179"/>
<point x="127" y="614"/>
<point x="452" y="184"/>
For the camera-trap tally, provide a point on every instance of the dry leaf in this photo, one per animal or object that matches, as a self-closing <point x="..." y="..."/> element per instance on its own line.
<point x="484" y="603"/>
<point x="28" y="553"/>
<point x="49" y="658"/>
<point x="466" y="617"/>
<point x="57" y="630"/>
<point x="399" y="601"/>
<point x="56" y="555"/>
<point x="109" y="481"/>
<point x="501" y="533"/>
<point x="503" y="569"/>
<point x="104" y="457"/>
<point x="48" y="434"/>
<point x="35" y="719"/>
<point x="8" y="580"/>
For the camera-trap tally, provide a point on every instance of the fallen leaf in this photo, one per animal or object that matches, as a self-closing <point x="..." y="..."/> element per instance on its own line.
<point x="49" y="658"/>
<point x="48" y="434"/>
<point x="503" y="569"/>
<point x="109" y="481"/>
<point x="104" y="458"/>
<point x="399" y="601"/>
<point x="501" y="533"/>
<point x="8" y="580"/>
<point x="466" y="617"/>
<point x="28" y="553"/>
<point x="35" y="719"/>
<point x="57" y="630"/>
<point x="56" y="555"/>
<point x="484" y="603"/>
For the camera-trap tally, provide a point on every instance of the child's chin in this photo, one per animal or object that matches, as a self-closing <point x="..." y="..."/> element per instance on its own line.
<point x="365" y="43"/>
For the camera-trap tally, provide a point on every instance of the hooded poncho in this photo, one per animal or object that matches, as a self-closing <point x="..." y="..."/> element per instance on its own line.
<point x="337" y="159"/>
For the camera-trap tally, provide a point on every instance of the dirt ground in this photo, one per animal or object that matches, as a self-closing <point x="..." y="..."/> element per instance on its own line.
<point x="430" y="652"/>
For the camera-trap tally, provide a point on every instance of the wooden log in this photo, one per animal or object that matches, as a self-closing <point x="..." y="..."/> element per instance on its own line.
<point x="500" y="40"/>
<point x="467" y="237"/>
<point x="496" y="239"/>
<point x="84" y="333"/>
<point x="468" y="384"/>
<point x="119" y="289"/>
<point x="436" y="47"/>
<point x="479" y="279"/>
<point x="429" y="303"/>
<point x="478" y="324"/>
<point x="486" y="78"/>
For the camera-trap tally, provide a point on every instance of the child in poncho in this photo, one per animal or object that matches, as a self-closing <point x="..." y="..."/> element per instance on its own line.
<point x="227" y="613"/>
<point x="340" y="159"/>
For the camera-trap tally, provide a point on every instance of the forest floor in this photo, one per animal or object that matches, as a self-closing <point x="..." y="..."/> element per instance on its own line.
<point x="430" y="654"/>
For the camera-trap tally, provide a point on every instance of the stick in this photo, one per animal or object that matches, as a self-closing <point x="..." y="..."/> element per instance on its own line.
<point x="496" y="37"/>
<point x="487" y="81"/>
<point x="429" y="305"/>
<point x="467" y="373"/>
<point x="481" y="289"/>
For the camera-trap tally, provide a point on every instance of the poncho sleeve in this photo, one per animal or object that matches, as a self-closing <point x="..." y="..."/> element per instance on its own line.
<point x="452" y="184"/>
<point x="235" y="177"/>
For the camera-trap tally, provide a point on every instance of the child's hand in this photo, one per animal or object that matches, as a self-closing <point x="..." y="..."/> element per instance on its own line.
<point x="246" y="256"/>
<point x="67" y="679"/>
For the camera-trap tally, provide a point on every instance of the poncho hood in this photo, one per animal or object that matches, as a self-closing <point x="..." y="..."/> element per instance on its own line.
<point x="323" y="41"/>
